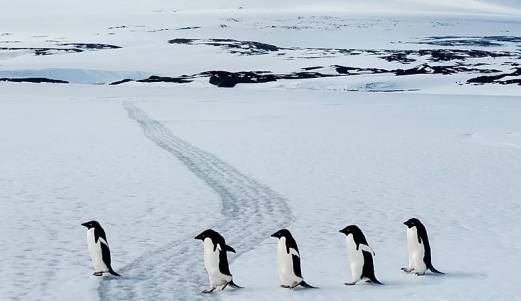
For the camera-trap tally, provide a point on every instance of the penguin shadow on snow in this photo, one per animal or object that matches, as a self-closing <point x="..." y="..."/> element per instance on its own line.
<point x="427" y="280"/>
<point x="123" y="278"/>
<point x="463" y="275"/>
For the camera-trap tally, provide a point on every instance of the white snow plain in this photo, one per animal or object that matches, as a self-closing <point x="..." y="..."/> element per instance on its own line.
<point x="157" y="163"/>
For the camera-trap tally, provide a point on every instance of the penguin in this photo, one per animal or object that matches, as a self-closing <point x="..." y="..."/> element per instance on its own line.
<point x="216" y="261"/>
<point x="418" y="248"/>
<point x="360" y="256"/>
<point x="288" y="257"/>
<point x="99" y="250"/>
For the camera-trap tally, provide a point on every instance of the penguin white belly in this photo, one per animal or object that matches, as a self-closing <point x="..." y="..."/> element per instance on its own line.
<point x="416" y="251"/>
<point x="356" y="259"/>
<point x="211" y="263"/>
<point x="285" y="265"/>
<point x="95" y="252"/>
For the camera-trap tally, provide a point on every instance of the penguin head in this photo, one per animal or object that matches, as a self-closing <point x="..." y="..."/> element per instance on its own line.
<point x="281" y="233"/>
<point x="413" y="222"/>
<point x="351" y="229"/>
<point x="209" y="233"/>
<point x="91" y="224"/>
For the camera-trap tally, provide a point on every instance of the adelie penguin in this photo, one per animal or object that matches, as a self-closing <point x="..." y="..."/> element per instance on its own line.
<point x="360" y="256"/>
<point x="419" y="249"/>
<point x="99" y="250"/>
<point x="216" y="260"/>
<point x="288" y="257"/>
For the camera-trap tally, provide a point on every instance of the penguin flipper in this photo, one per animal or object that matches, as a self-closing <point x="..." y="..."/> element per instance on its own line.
<point x="105" y="255"/>
<point x="229" y="249"/>
<point x="368" y="268"/>
<point x="304" y="284"/>
<point x="296" y="265"/>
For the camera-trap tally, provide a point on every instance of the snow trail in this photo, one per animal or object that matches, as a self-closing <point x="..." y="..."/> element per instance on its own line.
<point x="250" y="213"/>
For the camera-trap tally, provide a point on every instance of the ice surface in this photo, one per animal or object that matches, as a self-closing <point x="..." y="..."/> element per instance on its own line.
<point x="157" y="163"/>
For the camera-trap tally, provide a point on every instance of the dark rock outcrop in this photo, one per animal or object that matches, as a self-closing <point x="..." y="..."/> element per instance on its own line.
<point x="165" y="79"/>
<point x="497" y="79"/>
<point x="227" y="79"/>
<point x="33" y="80"/>
<point x="90" y="46"/>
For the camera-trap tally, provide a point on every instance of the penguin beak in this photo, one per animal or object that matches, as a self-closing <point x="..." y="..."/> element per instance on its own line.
<point x="200" y="236"/>
<point x="86" y="225"/>
<point x="406" y="223"/>
<point x="275" y="235"/>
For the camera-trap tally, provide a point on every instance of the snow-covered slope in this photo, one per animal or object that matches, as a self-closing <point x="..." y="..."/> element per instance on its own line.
<point x="341" y="112"/>
<point x="333" y="158"/>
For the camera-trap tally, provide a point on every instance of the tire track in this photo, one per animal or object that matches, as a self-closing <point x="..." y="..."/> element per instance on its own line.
<point x="250" y="213"/>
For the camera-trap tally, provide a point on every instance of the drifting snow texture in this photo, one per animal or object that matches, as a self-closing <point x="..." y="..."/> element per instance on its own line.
<point x="157" y="163"/>
<point x="250" y="212"/>
<point x="374" y="161"/>
<point x="371" y="160"/>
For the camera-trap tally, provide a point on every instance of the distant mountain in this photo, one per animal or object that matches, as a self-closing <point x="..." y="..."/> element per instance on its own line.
<point x="102" y="7"/>
<point x="353" y="6"/>
<point x="388" y="6"/>
<point x="511" y="3"/>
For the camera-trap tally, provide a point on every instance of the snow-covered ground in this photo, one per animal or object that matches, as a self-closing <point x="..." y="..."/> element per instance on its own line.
<point x="157" y="162"/>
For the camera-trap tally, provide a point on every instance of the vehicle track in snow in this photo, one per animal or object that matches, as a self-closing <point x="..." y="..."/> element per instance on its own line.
<point x="250" y="211"/>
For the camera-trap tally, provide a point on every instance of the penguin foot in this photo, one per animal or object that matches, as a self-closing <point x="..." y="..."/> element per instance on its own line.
<point x="97" y="274"/>
<point x="209" y="291"/>
<point x="407" y="270"/>
<point x="419" y="274"/>
<point x="285" y="286"/>
<point x="350" y="283"/>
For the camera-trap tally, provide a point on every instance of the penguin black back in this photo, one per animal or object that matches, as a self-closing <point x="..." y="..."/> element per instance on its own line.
<point x="368" y="268"/>
<point x="423" y="238"/>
